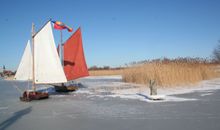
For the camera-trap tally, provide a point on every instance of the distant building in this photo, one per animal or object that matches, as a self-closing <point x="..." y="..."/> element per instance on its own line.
<point x="6" y="73"/>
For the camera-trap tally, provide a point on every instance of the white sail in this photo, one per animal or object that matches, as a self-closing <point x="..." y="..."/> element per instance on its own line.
<point x="24" y="71"/>
<point x="47" y="65"/>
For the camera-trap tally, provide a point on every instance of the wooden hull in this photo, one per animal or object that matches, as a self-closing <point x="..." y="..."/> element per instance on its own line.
<point x="34" y="96"/>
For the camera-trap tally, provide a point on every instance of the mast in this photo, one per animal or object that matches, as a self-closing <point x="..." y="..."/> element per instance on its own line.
<point x="61" y="48"/>
<point x="32" y="38"/>
<point x="62" y="51"/>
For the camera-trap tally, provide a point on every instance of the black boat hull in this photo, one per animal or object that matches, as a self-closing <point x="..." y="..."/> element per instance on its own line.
<point x="65" y="88"/>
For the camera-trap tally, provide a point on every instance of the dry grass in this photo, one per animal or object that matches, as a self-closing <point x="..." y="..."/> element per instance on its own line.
<point x="170" y="73"/>
<point x="166" y="72"/>
<point x="105" y="72"/>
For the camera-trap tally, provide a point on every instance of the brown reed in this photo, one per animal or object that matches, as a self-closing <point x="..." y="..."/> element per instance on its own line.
<point x="166" y="72"/>
<point x="170" y="73"/>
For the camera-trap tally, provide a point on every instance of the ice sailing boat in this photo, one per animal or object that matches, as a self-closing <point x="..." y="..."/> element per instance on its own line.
<point x="74" y="63"/>
<point x="42" y="66"/>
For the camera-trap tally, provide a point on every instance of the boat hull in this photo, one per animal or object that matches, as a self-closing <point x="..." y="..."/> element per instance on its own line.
<point x="70" y="88"/>
<point x="34" y="96"/>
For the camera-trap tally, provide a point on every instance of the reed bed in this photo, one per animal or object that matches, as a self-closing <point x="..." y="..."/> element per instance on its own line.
<point x="170" y="73"/>
<point x="166" y="72"/>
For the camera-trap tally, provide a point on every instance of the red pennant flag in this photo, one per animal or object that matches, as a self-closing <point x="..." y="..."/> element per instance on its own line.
<point x="60" y="26"/>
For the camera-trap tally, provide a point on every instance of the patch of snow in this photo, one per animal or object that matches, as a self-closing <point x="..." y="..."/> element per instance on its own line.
<point x="146" y="98"/>
<point x="206" y="94"/>
<point x="83" y="91"/>
<point x="3" y="108"/>
<point x="156" y="97"/>
<point x="112" y="86"/>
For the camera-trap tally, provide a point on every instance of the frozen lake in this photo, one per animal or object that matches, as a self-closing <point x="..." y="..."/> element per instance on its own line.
<point x="107" y="103"/>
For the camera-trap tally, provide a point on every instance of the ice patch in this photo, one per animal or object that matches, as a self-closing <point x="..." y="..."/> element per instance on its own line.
<point x="112" y="86"/>
<point x="84" y="92"/>
<point x="3" y="108"/>
<point x="206" y="94"/>
<point x="145" y="98"/>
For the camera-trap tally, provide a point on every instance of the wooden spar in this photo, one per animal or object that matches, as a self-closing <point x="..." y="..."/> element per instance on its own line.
<point x="33" y="83"/>
<point x="61" y="49"/>
<point x="41" y="28"/>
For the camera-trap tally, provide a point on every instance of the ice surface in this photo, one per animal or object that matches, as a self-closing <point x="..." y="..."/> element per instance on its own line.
<point x="112" y="86"/>
<point x="108" y="103"/>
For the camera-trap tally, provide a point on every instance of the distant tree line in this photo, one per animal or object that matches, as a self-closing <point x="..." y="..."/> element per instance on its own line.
<point x="216" y="53"/>
<point x="104" y="68"/>
<point x="175" y="60"/>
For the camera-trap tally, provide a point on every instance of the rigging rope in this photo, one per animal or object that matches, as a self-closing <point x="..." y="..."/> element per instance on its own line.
<point x="16" y="87"/>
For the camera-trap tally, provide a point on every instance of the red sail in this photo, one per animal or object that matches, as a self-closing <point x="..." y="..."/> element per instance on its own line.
<point x="74" y="60"/>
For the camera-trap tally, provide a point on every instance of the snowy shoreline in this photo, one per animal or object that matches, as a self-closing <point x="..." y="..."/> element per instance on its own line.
<point x="112" y="86"/>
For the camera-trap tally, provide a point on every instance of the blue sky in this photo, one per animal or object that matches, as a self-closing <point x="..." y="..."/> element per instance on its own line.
<point x="116" y="32"/>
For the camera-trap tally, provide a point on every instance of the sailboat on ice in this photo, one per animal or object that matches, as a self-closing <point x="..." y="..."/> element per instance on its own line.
<point x="43" y="65"/>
